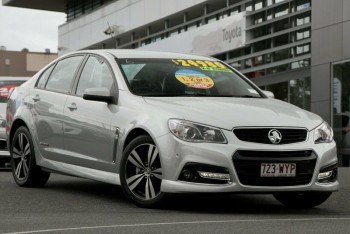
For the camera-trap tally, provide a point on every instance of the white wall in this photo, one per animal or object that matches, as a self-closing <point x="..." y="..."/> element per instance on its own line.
<point x="129" y="14"/>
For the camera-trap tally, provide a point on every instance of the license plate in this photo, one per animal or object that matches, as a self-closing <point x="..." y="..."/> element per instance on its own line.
<point x="278" y="169"/>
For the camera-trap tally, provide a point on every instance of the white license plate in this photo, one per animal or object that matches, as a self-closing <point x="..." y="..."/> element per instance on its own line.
<point x="278" y="169"/>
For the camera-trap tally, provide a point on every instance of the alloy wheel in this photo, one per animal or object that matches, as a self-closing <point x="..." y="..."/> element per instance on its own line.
<point x="21" y="156"/>
<point x="143" y="172"/>
<point x="23" y="162"/>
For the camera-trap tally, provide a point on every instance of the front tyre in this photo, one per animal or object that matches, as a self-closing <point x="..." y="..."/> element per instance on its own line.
<point x="302" y="199"/>
<point x="24" y="169"/>
<point x="141" y="172"/>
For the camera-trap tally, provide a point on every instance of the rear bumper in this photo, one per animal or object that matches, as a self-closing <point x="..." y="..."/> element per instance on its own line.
<point x="4" y="153"/>
<point x="5" y="159"/>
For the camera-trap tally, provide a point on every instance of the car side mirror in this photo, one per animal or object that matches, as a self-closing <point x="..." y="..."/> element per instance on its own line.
<point x="269" y="94"/>
<point x="98" y="94"/>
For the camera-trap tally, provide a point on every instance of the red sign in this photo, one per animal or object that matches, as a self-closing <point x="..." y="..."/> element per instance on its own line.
<point x="6" y="90"/>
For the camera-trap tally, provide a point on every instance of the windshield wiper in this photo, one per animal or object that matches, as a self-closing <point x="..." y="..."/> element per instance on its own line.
<point x="194" y="95"/>
<point x="246" y="96"/>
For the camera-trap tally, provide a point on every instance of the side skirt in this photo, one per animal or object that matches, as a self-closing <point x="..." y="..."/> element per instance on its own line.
<point x="83" y="172"/>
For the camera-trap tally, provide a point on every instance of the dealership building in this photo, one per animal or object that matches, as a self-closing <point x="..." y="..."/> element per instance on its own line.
<point x="298" y="49"/>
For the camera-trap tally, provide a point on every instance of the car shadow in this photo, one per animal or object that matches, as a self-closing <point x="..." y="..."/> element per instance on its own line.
<point x="263" y="204"/>
<point x="87" y="188"/>
<point x="113" y="195"/>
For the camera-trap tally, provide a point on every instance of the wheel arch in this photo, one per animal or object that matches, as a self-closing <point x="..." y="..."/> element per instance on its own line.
<point x="15" y="125"/>
<point x="136" y="132"/>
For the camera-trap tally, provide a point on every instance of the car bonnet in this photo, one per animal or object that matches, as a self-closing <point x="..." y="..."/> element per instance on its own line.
<point x="228" y="113"/>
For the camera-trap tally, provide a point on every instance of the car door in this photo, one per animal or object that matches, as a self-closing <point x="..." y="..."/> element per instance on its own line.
<point x="49" y="98"/>
<point x="88" y="136"/>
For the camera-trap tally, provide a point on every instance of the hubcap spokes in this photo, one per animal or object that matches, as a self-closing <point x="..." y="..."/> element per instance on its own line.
<point x="144" y="172"/>
<point x="21" y="155"/>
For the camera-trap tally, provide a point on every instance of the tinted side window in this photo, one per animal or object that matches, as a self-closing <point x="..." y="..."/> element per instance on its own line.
<point x="95" y="74"/>
<point x="63" y="74"/>
<point x="43" y="78"/>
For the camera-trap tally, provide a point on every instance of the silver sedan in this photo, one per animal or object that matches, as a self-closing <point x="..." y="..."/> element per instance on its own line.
<point x="161" y="123"/>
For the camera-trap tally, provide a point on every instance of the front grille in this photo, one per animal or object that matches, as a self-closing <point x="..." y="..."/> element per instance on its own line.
<point x="260" y="135"/>
<point x="247" y="164"/>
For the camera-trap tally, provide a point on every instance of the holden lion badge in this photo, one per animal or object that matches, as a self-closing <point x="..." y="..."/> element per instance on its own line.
<point x="275" y="136"/>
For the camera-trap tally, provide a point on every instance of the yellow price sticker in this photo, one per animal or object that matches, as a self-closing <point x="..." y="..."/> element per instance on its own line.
<point x="194" y="79"/>
<point x="202" y="64"/>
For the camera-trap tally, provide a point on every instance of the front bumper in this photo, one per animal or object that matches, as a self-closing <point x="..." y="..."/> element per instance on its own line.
<point x="176" y="154"/>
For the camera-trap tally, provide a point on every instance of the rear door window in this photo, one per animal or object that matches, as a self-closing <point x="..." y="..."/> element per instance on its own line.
<point x="62" y="75"/>
<point x="44" y="76"/>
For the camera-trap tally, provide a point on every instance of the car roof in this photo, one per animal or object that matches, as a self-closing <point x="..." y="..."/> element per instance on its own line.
<point x="130" y="53"/>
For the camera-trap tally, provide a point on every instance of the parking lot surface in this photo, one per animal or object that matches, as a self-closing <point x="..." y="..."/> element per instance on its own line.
<point x="74" y="205"/>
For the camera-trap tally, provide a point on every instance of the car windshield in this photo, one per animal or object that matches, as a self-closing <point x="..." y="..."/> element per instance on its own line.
<point x="6" y="88"/>
<point x="184" y="77"/>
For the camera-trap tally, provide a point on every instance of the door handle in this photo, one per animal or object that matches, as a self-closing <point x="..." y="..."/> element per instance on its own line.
<point x="72" y="106"/>
<point x="36" y="98"/>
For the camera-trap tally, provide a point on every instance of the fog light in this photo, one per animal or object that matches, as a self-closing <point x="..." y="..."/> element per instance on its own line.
<point x="188" y="175"/>
<point x="214" y="176"/>
<point x="324" y="175"/>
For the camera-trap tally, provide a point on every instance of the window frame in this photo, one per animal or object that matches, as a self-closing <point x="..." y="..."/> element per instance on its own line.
<point x="80" y="71"/>
<point x="69" y="91"/>
<point x="52" y="67"/>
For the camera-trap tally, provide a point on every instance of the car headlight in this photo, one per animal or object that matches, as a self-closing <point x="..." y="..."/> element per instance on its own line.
<point x="323" y="133"/>
<point x="194" y="132"/>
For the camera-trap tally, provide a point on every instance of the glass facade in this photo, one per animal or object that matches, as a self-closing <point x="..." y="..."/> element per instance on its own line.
<point x="76" y="8"/>
<point x="341" y="111"/>
<point x="283" y="30"/>
<point x="296" y="92"/>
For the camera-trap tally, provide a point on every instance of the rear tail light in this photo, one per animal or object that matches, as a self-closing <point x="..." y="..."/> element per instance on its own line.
<point x="10" y="92"/>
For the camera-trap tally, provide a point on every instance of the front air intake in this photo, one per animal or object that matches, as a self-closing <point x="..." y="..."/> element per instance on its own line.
<point x="248" y="163"/>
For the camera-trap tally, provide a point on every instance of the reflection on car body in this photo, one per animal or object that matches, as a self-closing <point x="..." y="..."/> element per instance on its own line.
<point x="159" y="123"/>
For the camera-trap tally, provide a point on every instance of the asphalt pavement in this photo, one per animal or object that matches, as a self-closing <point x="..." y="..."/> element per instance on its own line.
<point x="74" y="205"/>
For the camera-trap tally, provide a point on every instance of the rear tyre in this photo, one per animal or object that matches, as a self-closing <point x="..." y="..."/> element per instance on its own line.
<point x="141" y="173"/>
<point x="302" y="199"/>
<point x="24" y="169"/>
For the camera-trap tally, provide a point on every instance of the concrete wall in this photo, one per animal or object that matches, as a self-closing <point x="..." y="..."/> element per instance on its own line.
<point x="13" y="64"/>
<point x="330" y="43"/>
<point x="128" y="14"/>
<point x="36" y="61"/>
<point x="23" y="63"/>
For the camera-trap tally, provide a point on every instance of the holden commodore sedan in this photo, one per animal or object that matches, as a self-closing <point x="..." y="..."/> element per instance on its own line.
<point x="162" y="123"/>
